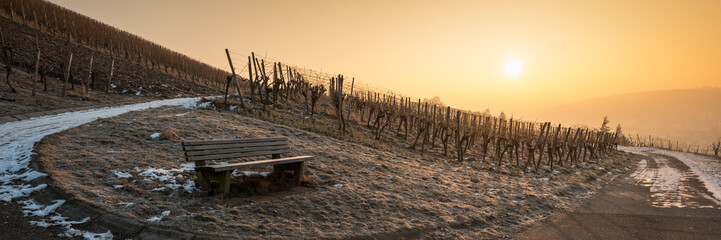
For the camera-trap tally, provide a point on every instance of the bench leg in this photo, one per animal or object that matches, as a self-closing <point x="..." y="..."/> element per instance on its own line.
<point x="203" y="181"/>
<point x="297" y="169"/>
<point x="214" y="181"/>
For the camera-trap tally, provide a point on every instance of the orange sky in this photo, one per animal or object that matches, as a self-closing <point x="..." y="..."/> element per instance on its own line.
<point x="572" y="50"/>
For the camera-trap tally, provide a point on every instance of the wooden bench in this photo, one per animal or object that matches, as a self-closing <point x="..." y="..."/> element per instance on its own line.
<point x="216" y="178"/>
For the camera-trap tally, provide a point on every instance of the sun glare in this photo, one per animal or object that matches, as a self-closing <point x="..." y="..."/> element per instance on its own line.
<point x="513" y="67"/>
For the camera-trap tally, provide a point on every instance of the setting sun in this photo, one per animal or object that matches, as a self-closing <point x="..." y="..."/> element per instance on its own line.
<point x="513" y="67"/>
<point x="358" y="119"/>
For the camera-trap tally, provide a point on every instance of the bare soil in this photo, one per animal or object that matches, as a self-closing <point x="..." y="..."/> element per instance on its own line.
<point x="16" y="225"/>
<point x="22" y="101"/>
<point x="350" y="190"/>
<point x="130" y="80"/>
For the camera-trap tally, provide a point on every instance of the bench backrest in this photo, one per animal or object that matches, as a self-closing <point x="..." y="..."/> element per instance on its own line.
<point x="234" y="148"/>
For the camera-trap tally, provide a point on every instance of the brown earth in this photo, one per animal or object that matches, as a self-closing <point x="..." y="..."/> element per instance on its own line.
<point x="129" y="77"/>
<point x="23" y="102"/>
<point x="350" y="191"/>
<point x="16" y="226"/>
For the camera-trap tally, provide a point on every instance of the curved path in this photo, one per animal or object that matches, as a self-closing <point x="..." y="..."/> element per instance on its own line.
<point x="669" y="195"/>
<point x="19" y="184"/>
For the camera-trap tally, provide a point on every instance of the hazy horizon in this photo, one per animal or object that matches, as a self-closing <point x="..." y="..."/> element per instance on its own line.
<point x="567" y="52"/>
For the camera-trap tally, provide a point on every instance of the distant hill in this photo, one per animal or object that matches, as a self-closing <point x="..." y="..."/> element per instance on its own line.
<point x="692" y="116"/>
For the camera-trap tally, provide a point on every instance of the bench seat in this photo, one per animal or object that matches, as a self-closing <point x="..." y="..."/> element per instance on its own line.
<point x="233" y="166"/>
<point x="216" y="177"/>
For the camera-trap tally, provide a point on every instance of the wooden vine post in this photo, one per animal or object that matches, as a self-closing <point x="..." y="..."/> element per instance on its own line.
<point x="250" y="79"/>
<point x="350" y="108"/>
<point x="540" y="156"/>
<point x="282" y="83"/>
<point x="90" y="74"/>
<point x="445" y="137"/>
<point x="235" y="80"/>
<point x="336" y="92"/>
<point x="12" y="13"/>
<point x="459" y="150"/>
<point x="264" y="86"/>
<point x="37" y="63"/>
<point x="435" y="130"/>
<point x="227" y="83"/>
<point x="67" y="74"/>
<point x="110" y="78"/>
<point x="275" y="84"/>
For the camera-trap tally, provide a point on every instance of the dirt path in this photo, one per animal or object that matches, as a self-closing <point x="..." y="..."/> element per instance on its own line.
<point x="17" y="226"/>
<point x="664" y="198"/>
<point x="18" y="181"/>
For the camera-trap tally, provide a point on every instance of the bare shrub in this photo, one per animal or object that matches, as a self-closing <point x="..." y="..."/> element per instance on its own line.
<point x="169" y="134"/>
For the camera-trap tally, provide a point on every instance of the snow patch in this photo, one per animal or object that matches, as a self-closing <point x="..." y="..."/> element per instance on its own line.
<point x="188" y="186"/>
<point x="237" y="173"/>
<point x="159" y="174"/>
<point x="126" y="204"/>
<point x="158" y="218"/>
<point x="668" y="185"/>
<point x="10" y="192"/>
<point x="155" y="135"/>
<point x="170" y="177"/>
<point x="33" y="209"/>
<point x="187" y="166"/>
<point x="16" y="144"/>
<point x="202" y="104"/>
<point x="121" y="174"/>
<point x="708" y="169"/>
<point x="98" y="236"/>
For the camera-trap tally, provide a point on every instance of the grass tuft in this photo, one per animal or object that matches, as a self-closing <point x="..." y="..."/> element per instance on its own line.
<point x="169" y="134"/>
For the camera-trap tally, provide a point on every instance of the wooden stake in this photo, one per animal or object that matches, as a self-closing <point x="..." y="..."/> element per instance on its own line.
<point x="12" y="13"/>
<point x="67" y="74"/>
<point x="110" y="78"/>
<point x="235" y="79"/>
<point x="352" y="83"/>
<point x="227" y="83"/>
<point x="250" y="79"/>
<point x="2" y="42"/>
<point x="90" y="73"/>
<point x="264" y="87"/>
<point x="37" y="63"/>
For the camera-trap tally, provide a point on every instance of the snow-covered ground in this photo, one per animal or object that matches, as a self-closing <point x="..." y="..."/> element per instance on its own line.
<point x="16" y="143"/>
<point x="666" y="183"/>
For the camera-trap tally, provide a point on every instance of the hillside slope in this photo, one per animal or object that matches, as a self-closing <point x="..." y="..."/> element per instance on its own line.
<point x="130" y="80"/>
<point x="691" y="116"/>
